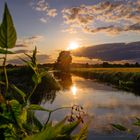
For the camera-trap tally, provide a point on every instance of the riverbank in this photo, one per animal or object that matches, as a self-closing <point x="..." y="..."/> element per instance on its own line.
<point x="124" y="78"/>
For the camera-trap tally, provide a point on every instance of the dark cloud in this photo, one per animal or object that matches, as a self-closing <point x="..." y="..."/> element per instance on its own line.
<point x="21" y="45"/>
<point x="21" y="51"/>
<point x="118" y="16"/>
<point x="29" y="41"/>
<point x="41" y="58"/>
<point x="111" y="52"/>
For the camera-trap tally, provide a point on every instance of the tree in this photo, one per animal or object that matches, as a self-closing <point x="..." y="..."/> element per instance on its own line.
<point x="64" y="61"/>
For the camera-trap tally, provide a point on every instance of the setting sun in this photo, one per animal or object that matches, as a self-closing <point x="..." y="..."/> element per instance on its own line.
<point x="73" y="46"/>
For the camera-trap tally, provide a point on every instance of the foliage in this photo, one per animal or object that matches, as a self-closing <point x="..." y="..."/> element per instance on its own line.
<point x="64" y="61"/>
<point x="17" y="119"/>
<point x="124" y="129"/>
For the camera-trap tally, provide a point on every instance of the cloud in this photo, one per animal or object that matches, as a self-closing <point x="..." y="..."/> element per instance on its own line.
<point x="21" y="51"/>
<point x="41" y="58"/>
<point x="110" y="17"/>
<point x="43" y="7"/>
<point x="111" y="52"/>
<point x="36" y="38"/>
<point x="29" y="41"/>
<point x="44" y="20"/>
<point x="20" y="45"/>
<point x="52" y="13"/>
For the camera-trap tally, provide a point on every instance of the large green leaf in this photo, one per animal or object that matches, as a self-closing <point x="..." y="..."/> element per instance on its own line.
<point x="58" y="132"/>
<point x="67" y="129"/>
<point x="83" y="133"/>
<point x="2" y="51"/>
<point x="37" y="107"/>
<point x="8" y="34"/>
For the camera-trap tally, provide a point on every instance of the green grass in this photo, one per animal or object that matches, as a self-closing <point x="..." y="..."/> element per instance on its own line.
<point x="107" y="69"/>
<point x="124" y="78"/>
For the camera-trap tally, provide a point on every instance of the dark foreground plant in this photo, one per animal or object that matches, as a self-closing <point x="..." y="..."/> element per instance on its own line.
<point x="125" y="129"/>
<point x="17" y="119"/>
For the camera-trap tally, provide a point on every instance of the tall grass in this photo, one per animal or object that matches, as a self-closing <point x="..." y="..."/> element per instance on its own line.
<point x="124" y="78"/>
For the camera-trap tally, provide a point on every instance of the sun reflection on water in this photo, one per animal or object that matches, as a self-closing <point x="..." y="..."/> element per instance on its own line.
<point x="74" y="90"/>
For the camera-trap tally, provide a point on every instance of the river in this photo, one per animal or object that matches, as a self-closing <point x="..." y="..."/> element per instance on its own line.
<point x="105" y="105"/>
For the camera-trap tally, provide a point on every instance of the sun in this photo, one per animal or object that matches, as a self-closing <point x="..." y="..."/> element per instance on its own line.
<point x="72" y="46"/>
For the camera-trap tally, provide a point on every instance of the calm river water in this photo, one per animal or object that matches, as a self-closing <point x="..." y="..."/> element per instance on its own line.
<point x="104" y="103"/>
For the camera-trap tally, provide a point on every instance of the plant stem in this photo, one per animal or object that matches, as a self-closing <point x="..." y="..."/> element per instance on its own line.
<point x="54" y="111"/>
<point x="48" y="118"/>
<point x="5" y="74"/>
<point x="32" y="92"/>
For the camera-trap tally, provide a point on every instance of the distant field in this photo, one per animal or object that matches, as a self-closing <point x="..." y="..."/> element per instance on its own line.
<point x="107" y="69"/>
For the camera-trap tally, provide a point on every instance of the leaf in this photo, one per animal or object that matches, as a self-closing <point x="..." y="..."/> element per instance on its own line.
<point x="34" y="56"/>
<point x="119" y="127"/>
<point x="15" y="111"/>
<point x="83" y="133"/>
<point x="137" y="123"/>
<point x="36" y="79"/>
<point x="23" y="117"/>
<point x="37" y="122"/>
<point x="54" y="132"/>
<point x="138" y="119"/>
<point x="61" y="123"/>
<point x="8" y="35"/>
<point x="138" y="137"/>
<point x="69" y="128"/>
<point x="37" y="107"/>
<point x="4" y="120"/>
<point x="2" y="51"/>
<point x="46" y="126"/>
<point x="2" y="83"/>
<point x="20" y="92"/>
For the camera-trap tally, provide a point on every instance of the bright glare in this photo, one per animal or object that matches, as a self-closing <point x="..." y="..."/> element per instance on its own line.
<point x="73" y="46"/>
<point x="74" y="90"/>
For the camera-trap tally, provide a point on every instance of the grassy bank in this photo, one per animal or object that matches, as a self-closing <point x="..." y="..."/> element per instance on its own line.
<point x="124" y="78"/>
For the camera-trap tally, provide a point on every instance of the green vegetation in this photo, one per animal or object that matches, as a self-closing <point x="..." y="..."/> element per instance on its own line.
<point x="124" y="78"/>
<point x="17" y="117"/>
<point x="125" y="129"/>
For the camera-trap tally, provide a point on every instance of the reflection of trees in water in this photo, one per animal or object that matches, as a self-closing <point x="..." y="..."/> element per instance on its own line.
<point x="22" y="78"/>
<point x="43" y="97"/>
<point x="46" y="91"/>
<point x="65" y="79"/>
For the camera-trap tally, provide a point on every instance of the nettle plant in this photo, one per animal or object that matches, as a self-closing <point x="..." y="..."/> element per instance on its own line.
<point x="18" y="120"/>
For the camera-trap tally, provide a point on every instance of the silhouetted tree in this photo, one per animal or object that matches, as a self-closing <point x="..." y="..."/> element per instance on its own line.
<point x="105" y="64"/>
<point x="87" y="65"/>
<point x="64" y="61"/>
<point x="127" y="65"/>
<point x="136" y="64"/>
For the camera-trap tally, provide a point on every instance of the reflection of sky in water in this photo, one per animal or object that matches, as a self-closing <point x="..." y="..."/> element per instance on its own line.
<point x="106" y="104"/>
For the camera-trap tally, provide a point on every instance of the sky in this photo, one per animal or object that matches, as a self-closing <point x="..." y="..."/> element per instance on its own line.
<point x="52" y="25"/>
